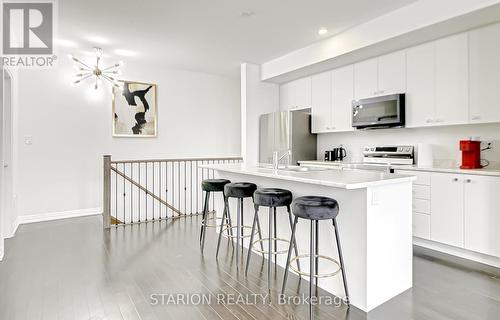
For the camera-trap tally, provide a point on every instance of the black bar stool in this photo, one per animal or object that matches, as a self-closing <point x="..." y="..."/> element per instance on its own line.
<point x="272" y="198"/>
<point x="240" y="191"/>
<point x="209" y="186"/>
<point x="315" y="209"/>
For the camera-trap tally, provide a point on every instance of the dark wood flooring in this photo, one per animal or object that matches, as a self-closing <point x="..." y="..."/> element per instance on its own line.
<point x="71" y="269"/>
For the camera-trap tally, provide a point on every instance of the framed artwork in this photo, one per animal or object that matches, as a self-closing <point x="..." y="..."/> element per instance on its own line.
<point x="135" y="110"/>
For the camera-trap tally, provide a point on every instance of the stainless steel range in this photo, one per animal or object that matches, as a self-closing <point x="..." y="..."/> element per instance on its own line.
<point x="388" y="154"/>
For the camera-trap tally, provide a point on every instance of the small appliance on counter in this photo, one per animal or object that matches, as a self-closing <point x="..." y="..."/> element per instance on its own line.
<point x="337" y="154"/>
<point x="424" y="155"/>
<point x="388" y="154"/>
<point x="471" y="154"/>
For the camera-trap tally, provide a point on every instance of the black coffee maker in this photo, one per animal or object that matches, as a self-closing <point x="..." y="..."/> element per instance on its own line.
<point x="337" y="154"/>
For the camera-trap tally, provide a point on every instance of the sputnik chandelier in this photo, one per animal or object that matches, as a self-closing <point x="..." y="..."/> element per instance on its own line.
<point x="97" y="73"/>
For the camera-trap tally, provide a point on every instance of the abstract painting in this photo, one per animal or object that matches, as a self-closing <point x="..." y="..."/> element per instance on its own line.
<point x="135" y="110"/>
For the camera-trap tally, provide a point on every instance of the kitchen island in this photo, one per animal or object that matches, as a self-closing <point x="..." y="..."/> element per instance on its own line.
<point x="375" y="225"/>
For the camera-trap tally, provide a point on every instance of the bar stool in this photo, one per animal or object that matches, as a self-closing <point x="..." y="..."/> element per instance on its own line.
<point x="315" y="209"/>
<point x="240" y="191"/>
<point x="272" y="198"/>
<point x="209" y="186"/>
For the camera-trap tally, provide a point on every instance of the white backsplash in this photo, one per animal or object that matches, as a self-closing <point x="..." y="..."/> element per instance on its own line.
<point x="444" y="140"/>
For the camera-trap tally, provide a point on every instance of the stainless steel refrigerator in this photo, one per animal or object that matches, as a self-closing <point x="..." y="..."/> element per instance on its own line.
<point x="287" y="130"/>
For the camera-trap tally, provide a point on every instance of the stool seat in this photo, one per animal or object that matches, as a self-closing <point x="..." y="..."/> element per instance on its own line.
<point x="239" y="190"/>
<point x="214" y="185"/>
<point x="272" y="197"/>
<point x="315" y="208"/>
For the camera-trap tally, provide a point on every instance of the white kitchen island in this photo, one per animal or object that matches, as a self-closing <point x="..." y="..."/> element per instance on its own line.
<point x="375" y="225"/>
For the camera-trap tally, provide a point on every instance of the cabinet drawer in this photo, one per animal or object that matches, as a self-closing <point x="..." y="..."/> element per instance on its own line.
<point x="421" y="225"/>
<point x="423" y="178"/>
<point x="422" y="206"/>
<point x="421" y="192"/>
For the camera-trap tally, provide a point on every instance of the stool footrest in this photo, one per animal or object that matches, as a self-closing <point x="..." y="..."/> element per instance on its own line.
<point x="272" y="239"/>
<point x="234" y="236"/>
<point x="211" y="225"/>
<point x="319" y="275"/>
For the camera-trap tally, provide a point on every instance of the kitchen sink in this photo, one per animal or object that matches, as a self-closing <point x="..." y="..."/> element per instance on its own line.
<point x="302" y="168"/>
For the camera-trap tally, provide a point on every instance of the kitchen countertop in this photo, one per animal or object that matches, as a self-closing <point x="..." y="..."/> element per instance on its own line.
<point x="346" y="179"/>
<point x="493" y="170"/>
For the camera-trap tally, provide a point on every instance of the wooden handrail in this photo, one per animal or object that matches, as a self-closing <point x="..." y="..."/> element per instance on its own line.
<point x="177" y="160"/>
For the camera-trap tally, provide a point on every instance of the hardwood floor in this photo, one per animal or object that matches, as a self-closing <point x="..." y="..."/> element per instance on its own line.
<point x="71" y="269"/>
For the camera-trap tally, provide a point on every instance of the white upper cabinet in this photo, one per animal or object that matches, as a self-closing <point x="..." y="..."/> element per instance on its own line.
<point x="482" y="219"/>
<point x="321" y="102"/>
<point x="392" y="73"/>
<point x="366" y="79"/>
<point x="447" y="210"/>
<point x="452" y="80"/>
<point x="342" y="96"/>
<point x="380" y="76"/>
<point x="420" y="94"/>
<point x="484" y="50"/>
<point x="296" y="94"/>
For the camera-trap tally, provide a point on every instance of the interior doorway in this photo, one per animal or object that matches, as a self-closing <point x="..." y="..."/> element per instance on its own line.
<point x="6" y="155"/>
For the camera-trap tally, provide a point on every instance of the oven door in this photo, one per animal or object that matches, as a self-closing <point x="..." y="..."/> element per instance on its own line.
<point x="385" y="111"/>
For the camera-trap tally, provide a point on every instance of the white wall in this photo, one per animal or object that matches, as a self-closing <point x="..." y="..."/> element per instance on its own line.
<point x="198" y="116"/>
<point x="257" y="98"/>
<point x="444" y="140"/>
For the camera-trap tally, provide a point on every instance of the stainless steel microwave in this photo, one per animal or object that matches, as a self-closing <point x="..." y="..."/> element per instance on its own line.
<point x="379" y="112"/>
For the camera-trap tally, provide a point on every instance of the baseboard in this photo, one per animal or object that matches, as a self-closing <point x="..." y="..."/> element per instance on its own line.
<point x="49" y="216"/>
<point x="13" y="229"/>
<point x="458" y="252"/>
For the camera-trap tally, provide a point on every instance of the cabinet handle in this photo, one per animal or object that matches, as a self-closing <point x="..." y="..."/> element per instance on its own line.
<point x="455" y="179"/>
<point x="468" y="180"/>
<point x="429" y="120"/>
<point x="476" y="117"/>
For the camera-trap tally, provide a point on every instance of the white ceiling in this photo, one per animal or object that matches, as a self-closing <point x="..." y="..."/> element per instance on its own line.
<point x="208" y="35"/>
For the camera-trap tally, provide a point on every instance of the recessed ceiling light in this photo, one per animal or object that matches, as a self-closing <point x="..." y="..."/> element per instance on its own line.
<point x="125" y="53"/>
<point x="246" y="14"/>
<point x="322" y="31"/>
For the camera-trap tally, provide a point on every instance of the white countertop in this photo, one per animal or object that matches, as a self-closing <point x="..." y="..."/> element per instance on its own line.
<point x="352" y="179"/>
<point x="487" y="171"/>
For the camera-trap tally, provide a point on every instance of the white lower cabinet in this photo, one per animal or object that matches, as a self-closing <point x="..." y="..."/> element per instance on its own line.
<point x="447" y="210"/>
<point x="482" y="214"/>
<point x="421" y="225"/>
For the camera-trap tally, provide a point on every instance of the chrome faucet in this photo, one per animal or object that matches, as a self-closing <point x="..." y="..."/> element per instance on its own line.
<point x="277" y="158"/>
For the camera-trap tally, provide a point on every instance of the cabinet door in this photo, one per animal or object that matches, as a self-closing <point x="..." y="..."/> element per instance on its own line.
<point x="482" y="217"/>
<point x="452" y="80"/>
<point x="484" y="50"/>
<point x="342" y="96"/>
<point x="392" y="73"/>
<point x="420" y="98"/>
<point x="365" y="79"/>
<point x="296" y="94"/>
<point x="321" y="102"/>
<point x="447" y="209"/>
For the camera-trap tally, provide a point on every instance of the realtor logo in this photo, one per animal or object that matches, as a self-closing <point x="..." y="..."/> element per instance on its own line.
<point x="28" y="28"/>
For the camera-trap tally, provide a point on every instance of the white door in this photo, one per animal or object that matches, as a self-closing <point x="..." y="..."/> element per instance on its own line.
<point x="342" y="96"/>
<point x="392" y="73"/>
<point x="482" y="218"/>
<point x="452" y="80"/>
<point x="321" y="102"/>
<point x="447" y="209"/>
<point x="365" y="79"/>
<point x="484" y="50"/>
<point x="420" y="82"/>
